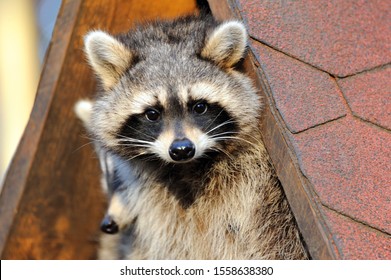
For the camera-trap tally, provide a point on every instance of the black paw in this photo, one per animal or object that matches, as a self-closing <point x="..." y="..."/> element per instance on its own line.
<point x="108" y="225"/>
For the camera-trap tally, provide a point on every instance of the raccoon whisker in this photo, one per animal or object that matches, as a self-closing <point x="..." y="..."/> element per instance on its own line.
<point x="150" y="157"/>
<point x="91" y="141"/>
<point x="90" y="138"/>
<point x="231" y="138"/>
<point x="133" y="140"/>
<point x="206" y="155"/>
<point x="259" y="141"/>
<point x="138" y="131"/>
<point x="134" y="146"/>
<point x="121" y="137"/>
<point x="235" y="138"/>
<point x="223" y="133"/>
<point x="129" y="142"/>
<point x="211" y="122"/>
<point x="217" y="149"/>
<point x="84" y="145"/>
<point x="138" y="155"/>
<point x="220" y="125"/>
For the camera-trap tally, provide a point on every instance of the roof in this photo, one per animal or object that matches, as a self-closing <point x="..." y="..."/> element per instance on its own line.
<point x="324" y="68"/>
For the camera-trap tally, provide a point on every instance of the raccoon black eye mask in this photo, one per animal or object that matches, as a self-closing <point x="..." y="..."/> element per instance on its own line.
<point x="187" y="174"/>
<point x="210" y="119"/>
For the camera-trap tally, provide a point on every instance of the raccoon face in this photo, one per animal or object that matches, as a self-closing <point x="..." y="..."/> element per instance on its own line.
<point x="176" y="101"/>
<point x="177" y="130"/>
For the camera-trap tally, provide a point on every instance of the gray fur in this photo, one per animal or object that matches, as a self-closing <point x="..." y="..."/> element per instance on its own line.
<point x="226" y="202"/>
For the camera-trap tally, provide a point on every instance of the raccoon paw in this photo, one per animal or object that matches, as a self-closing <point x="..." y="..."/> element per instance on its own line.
<point x="108" y="225"/>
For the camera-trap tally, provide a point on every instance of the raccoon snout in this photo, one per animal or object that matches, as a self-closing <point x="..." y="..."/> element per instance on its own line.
<point x="182" y="149"/>
<point x="108" y="225"/>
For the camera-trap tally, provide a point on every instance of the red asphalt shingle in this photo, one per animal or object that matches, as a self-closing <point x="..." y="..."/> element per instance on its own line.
<point x="357" y="241"/>
<point x="348" y="163"/>
<point x="338" y="130"/>
<point x="340" y="37"/>
<point x="304" y="95"/>
<point x="369" y="95"/>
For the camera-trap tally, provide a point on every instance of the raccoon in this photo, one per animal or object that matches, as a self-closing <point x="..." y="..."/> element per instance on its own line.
<point x="178" y="123"/>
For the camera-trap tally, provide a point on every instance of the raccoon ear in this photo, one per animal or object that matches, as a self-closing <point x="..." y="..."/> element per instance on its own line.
<point x="108" y="57"/>
<point x="226" y="45"/>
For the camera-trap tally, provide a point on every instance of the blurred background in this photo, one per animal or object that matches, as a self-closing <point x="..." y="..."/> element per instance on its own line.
<point x="26" y="27"/>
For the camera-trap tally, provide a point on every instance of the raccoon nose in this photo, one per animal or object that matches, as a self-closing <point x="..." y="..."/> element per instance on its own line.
<point x="108" y="225"/>
<point x="182" y="149"/>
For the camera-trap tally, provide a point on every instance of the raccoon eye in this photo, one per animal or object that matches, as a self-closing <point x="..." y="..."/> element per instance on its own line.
<point x="152" y="115"/>
<point x="200" y="108"/>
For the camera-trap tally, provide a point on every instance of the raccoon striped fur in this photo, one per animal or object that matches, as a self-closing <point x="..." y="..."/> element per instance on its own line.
<point x="176" y="127"/>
